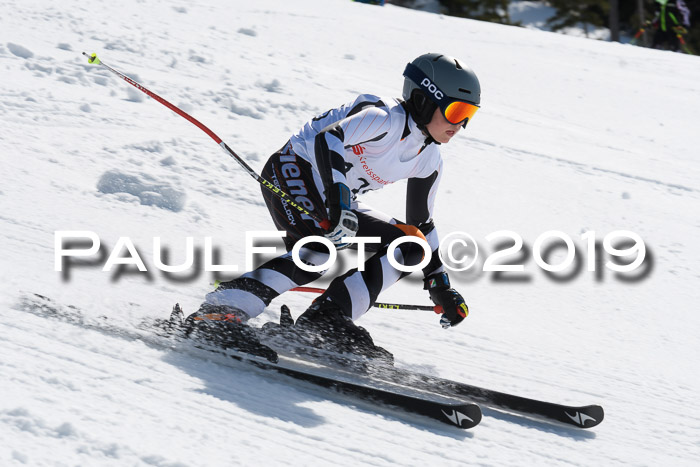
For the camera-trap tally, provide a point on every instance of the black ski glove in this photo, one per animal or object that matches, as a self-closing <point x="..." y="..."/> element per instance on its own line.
<point x="343" y="220"/>
<point x="454" y="310"/>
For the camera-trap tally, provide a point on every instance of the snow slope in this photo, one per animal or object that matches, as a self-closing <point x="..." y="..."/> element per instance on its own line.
<point x="574" y="135"/>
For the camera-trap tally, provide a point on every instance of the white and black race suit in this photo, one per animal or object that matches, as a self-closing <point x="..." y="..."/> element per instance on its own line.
<point x="366" y="145"/>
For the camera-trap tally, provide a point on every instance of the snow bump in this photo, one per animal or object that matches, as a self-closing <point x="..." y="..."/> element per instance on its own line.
<point x="133" y="95"/>
<point x="148" y="191"/>
<point x="248" y="32"/>
<point x="19" y="50"/>
<point x="272" y="86"/>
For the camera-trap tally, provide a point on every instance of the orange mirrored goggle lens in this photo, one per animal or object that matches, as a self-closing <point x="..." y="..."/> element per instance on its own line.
<point x="458" y="112"/>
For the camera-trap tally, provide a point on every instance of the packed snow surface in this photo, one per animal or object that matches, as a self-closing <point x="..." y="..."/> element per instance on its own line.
<point x="574" y="135"/>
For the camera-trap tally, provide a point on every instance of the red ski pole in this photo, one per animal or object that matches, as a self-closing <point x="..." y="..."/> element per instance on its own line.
<point x="324" y="223"/>
<point x="390" y="306"/>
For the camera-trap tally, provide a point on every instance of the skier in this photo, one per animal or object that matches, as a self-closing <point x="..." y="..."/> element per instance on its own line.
<point x="334" y="159"/>
<point x="670" y="22"/>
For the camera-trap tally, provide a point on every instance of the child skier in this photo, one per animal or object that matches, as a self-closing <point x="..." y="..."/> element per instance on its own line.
<point x="334" y="159"/>
<point x="671" y="21"/>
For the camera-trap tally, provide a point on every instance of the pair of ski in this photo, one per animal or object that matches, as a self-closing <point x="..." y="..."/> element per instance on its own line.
<point x="444" y="400"/>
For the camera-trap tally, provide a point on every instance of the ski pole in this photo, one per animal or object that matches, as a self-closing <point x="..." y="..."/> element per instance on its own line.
<point x="680" y="30"/>
<point x="324" y="223"/>
<point x="389" y="306"/>
<point x="637" y="36"/>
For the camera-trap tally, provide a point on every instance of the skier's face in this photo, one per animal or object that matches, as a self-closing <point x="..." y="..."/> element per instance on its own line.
<point x="440" y="129"/>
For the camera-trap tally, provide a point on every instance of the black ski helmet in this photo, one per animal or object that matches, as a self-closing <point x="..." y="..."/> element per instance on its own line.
<point x="450" y="76"/>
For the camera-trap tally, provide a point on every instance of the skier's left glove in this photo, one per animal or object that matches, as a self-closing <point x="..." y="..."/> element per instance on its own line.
<point x="343" y="220"/>
<point x="454" y="310"/>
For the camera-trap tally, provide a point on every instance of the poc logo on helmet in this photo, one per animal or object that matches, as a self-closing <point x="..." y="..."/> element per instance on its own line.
<point x="432" y="88"/>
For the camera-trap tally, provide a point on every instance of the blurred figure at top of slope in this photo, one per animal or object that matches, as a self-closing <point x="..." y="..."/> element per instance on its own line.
<point x="671" y="21"/>
<point x="326" y="166"/>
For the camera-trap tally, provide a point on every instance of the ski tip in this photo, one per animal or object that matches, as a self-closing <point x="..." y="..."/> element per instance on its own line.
<point x="596" y="412"/>
<point x="464" y="416"/>
<point x="476" y="415"/>
<point x="584" y="417"/>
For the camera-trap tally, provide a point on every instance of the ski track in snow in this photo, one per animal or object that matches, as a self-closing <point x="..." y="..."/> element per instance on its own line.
<point x="566" y="139"/>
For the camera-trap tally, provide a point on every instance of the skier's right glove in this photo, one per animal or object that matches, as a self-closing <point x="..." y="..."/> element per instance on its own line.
<point x="454" y="310"/>
<point x="343" y="220"/>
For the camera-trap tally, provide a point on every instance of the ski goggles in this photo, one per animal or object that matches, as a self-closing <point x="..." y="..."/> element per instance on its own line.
<point x="455" y="111"/>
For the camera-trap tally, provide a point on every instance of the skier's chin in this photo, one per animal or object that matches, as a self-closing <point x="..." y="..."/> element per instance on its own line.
<point x="446" y="137"/>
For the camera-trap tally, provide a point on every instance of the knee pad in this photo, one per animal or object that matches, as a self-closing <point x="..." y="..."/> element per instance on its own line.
<point x="412" y="252"/>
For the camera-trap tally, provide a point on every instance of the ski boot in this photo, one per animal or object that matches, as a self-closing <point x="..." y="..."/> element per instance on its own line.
<point x="326" y="326"/>
<point x="282" y="331"/>
<point x="225" y="327"/>
<point x="172" y="327"/>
